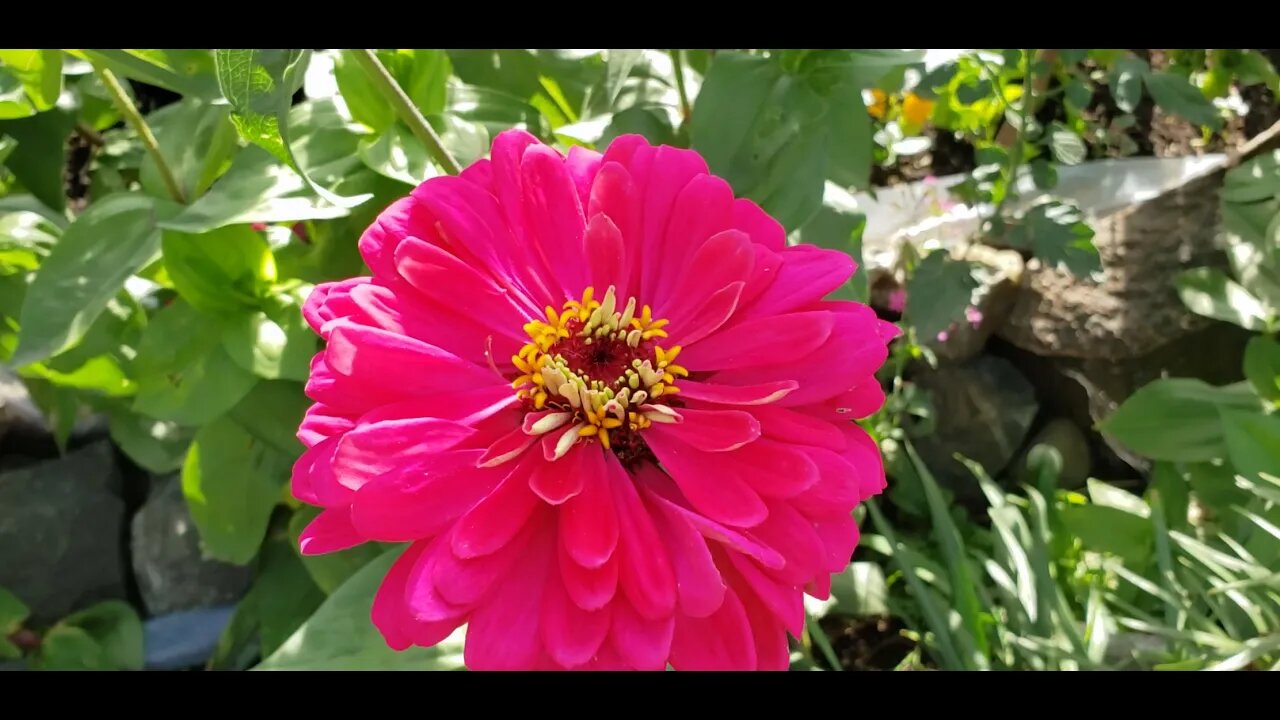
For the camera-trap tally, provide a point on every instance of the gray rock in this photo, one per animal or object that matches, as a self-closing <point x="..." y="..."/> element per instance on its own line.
<point x="61" y="532"/>
<point x="998" y="274"/>
<point x="17" y="410"/>
<point x="982" y="410"/>
<point x="170" y="568"/>
<point x="1072" y="446"/>
<point x="1131" y="308"/>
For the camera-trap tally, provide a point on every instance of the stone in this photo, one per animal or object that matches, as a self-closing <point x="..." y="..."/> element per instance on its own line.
<point x="999" y="273"/>
<point x="1087" y="391"/>
<point x="61" y="532"/>
<point x="982" y="409"/>
<point x="1072" y="445"/>
<point x="1132" y="307"/>
<point x="171" y="570"/>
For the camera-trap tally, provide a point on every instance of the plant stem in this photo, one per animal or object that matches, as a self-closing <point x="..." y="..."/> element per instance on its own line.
<point x="677" y="58"/>
<point x="405" y="108"/>
<point x="134" y="118"/>
<point x="819" y="637"/>
<point x="1015" y="152"/>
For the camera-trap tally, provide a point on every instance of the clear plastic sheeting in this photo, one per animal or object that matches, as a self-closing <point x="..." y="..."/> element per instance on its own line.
<point x="923" y="213"/>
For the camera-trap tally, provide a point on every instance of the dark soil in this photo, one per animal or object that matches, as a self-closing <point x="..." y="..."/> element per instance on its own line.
<point x="874" y="643"/>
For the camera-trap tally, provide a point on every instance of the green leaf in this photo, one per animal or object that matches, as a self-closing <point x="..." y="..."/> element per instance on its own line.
<point x="1262" y="366"/>
<point x="158" y="446"/>
<point x="115" y="628"/>
<point x="1208" y="291"/>
<point x="1126" y="82"/>
<point x="183" y="373"/>
<point x="1079" y="93"/>
<point x="14" y="102"/>
<point x="258" y="188"/>
<point x="232" y="481"/>
<point x="1056" y="233"/>
<point x="838" y="225"/>
<point x="186" y="72"/>
<point x="25" y="239"/>
<point x="651" y="122"/>
<point x="331" y="570"/>
<point x="39" y="71"/>
<point x="1044" y="174"/>
<point x="197" y="141"/>
<point x="109" y="242"/>
<point x="1257" y="179"/>
<point x="397" y="154"/>
<point x="851" y="143"/>
<point x="286" y="596"/>
<point x="1066" y="145"/>
<point x="1253" y="442"/>
<point x="1106" y="495"/>
<point x="422" y="74"/>
<point x="860" y="590"/>
<point x="1177" y="419"/>
<point x="12" y="612"/>
<point x="775" y="152"/>
<point x="69" y="648"/>
<point x="273" y="346"/>
<point x="260" y="85"/>
<point x="1176" y="94"/>
<point x="271" y="413"/>
<point x="40" y="138"/>
<point x="222" y="272"/>
<point x="618" y="66"/>
<point x="339" y="636"/>
<point x="1111" y="530"/>
<point x="938" y="292"/>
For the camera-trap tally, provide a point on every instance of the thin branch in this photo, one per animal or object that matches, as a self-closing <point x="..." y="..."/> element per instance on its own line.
<point x="134" y="118"/>
<point x="405" y="108"/>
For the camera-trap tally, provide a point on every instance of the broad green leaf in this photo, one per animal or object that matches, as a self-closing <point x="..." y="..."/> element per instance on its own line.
<point x="25" y="239"/>
<point x="12" y="612"/>
<point x="1207" y="291"/>
<point x="1067" y="146"/>
<point x="1126" y="82"/>
<point x="850" y="143"/>
<point x="1056" y="233"/>
<point x="197" y="141"/>
<point x="276" y="345"/>
<point x="422" y="74"/>
<point x="39" y="71"/>
<point x="1262" y="366"/>
<point x="938" y="292"/>
<point x="1174" y="491"/>
<point x="186" y="72"/>
<point x="65" y="647"/>
<point x="494" y="109"/>
<point x="271" y="413"/>
<point x="860" y="590"/>
<point x="339" y="636"/>
<point x="259" y="188"/>
<point x="286" y="595"/>
<point x="109" y="242"/>
<point x="652" y="122"/>
<point x="158" y="446"/>
<point x="260" y="85"/>
<point x="183" y="373"/>
<point x="331" y="570"/>
<point x="1111" y="530"/>
<point x="232" y="481"/>
<point x="618" y="66"/>
<point x="1257" y="179"/>
<point x="837" y="225"/>
<point x="1253" y="442"/>
<point x="14" y="102"/>
<point x="397" y="154"/>
<point x="1176" y="94"/>
<point x="103" y="375"/>
<point x="1176" y="419"/>
<point x="222" y="272"/>
<point x="40" y="138"/>
<point x="239" y="646"/>
<point x="115" y="628"/>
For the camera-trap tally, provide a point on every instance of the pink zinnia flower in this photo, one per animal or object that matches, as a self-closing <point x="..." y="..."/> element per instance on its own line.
<point x="606" y="404"/>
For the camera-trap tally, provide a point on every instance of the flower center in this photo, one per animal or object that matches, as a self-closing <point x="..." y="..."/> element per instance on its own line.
<point x="600" y="368"/>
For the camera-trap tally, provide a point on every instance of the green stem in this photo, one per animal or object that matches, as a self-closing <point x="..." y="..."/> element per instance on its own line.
<point x="1015" y="152"/>
<point x="677" y="58"/>
<point x="134" y="118"/>
<point x="819" y="638"/>
<point x="405" y="108"/>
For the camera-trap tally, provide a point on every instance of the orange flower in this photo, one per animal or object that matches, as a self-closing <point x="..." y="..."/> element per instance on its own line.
<point x="879" y="105"/>
<point x="915" y="109"/>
